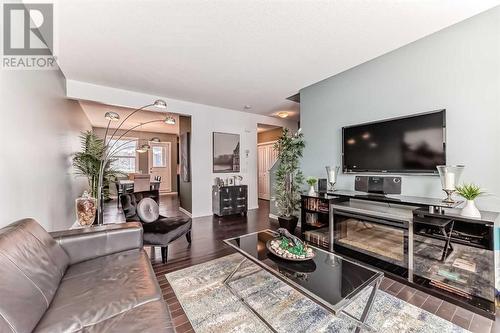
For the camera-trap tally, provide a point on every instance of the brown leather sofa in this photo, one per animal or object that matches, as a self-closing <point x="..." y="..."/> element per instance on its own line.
<point x="96" y="279"/>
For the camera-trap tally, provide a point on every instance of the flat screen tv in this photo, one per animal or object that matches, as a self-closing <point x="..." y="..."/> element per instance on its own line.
<point x="413" y="144"/>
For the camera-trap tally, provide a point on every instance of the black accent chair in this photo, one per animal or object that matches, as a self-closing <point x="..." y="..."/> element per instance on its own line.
<point x="161" y="232"/>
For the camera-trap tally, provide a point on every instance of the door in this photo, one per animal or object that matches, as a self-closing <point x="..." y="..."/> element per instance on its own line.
<point x="266" y="156"/>
<point x="159" y="162"/>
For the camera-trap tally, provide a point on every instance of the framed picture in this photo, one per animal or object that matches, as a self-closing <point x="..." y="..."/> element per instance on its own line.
<point x="185" y="143"/>
<point x="226" y="152"/>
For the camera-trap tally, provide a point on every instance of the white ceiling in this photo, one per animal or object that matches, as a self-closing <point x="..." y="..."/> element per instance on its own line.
<point x="231" y="53"/>
<point x="96" y="111"/>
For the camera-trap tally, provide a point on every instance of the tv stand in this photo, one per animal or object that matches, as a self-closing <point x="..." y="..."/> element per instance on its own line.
<point x="403" y="236"/>
<point x="395" y="198"/>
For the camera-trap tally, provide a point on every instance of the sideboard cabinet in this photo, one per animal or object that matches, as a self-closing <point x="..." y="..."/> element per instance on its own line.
<point x="229" y="200"/>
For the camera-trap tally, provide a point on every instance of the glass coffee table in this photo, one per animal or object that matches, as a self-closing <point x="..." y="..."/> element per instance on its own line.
<point x="328" y="279"/>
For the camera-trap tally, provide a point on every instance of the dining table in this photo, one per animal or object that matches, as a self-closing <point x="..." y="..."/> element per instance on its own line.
<point x="129" y="185"/>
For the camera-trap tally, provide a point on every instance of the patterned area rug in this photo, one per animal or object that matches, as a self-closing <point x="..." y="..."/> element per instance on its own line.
<point x="211" y="307"/>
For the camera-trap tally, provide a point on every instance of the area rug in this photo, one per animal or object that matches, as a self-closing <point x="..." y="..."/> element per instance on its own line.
<point x="211" y="307"/>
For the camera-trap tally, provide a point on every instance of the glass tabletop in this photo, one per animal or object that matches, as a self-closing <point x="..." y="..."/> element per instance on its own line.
<point x="327" y="278"/>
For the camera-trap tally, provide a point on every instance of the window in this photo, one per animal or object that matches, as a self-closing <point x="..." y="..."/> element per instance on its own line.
<point x="159" y="157"/>
<point x="124" y="159"/>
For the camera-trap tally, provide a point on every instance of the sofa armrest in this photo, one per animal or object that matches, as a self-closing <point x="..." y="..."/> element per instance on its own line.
<point x="89" y="243"/>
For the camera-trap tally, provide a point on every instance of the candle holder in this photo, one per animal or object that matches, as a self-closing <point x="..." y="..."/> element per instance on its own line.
<point x="450" y="175"/>
<point x="331" y="174"/>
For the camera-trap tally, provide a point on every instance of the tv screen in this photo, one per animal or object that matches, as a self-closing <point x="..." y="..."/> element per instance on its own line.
<point x="414" y="144"/>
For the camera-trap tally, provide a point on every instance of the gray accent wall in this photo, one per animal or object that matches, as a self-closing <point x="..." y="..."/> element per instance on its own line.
<point x="457" y="69"/>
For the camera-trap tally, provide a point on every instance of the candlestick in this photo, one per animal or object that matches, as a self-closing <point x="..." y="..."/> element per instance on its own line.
<point x="331" y="173"/>
<point x="450" y="175"/>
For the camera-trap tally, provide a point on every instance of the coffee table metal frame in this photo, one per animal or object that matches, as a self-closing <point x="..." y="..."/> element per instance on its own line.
<point x="337" y="309"/>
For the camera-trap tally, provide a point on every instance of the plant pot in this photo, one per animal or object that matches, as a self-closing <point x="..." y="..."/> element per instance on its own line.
<point x="288" y="222"/>
<point x="312" y="191"/>
<point x="470" y="210"/>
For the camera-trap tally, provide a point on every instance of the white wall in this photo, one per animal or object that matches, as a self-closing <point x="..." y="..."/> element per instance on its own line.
<point x="39" y="131"/>
<point x="204" y="121"/>
<point x="457" y="69"/>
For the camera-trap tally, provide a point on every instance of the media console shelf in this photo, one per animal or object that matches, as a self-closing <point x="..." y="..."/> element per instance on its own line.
<point x="422" y="242"/>
<point x="395" y="199"/>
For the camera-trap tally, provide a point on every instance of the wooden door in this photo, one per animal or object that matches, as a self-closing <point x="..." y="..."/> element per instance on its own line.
<point x="266" y="158"/>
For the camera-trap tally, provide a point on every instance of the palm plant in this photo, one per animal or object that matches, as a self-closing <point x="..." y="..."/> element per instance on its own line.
<point x="289" y="178"/>
<point x="88" y="161"/>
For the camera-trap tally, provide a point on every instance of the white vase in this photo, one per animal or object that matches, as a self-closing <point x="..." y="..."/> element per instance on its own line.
<point x="470" y="210"/>
<point x="311" y="190"/>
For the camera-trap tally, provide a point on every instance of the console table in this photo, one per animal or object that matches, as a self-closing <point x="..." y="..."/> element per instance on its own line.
<point x="228" y="200"/>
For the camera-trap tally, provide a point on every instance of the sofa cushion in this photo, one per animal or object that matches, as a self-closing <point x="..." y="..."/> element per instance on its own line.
<point x="99" y="289"/>
<point x="152" y="317"/>
<point x="31" y="266"/>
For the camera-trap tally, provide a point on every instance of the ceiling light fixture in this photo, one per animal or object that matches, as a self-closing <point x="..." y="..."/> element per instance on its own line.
<point x="283" y="114"/>
<point x="144" y="147"/>
<point x="170" y="120"/>
<point x="247" y="107"/>
<point x="155" y="139"/>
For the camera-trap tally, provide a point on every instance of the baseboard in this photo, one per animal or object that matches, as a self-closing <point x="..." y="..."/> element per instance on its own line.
<point x="185" y="212"/>
<point x="272" y="216"/>
<point x="168" y="193"/>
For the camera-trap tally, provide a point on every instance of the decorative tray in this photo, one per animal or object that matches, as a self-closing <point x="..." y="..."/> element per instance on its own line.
<point x="289" y="247"/>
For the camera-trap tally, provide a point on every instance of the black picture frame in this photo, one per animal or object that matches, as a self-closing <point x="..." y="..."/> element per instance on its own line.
<point x="225" y="152"/>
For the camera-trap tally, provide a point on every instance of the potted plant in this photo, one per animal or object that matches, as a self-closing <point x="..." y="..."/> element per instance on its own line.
<point x="470" y="192"/>
<point x="87" y="164"/>
<point x="289" y="178"/>
<point x="311" y="181"/>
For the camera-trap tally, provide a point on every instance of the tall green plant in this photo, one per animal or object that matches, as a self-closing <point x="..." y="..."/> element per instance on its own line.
<point x="289" y="178"/>
<point x="88" y="161"/>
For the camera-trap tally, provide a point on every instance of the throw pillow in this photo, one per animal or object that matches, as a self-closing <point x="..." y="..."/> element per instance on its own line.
<point x="148" y="210"/>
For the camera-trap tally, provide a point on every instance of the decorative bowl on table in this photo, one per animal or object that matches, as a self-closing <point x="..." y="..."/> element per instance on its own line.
<point x="289" y="247"/>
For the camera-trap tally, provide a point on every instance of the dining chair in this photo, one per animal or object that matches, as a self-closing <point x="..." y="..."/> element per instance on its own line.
<point x="122" y="189"/>
<point x="156" y="186"/>
<point x="142" y="183"/>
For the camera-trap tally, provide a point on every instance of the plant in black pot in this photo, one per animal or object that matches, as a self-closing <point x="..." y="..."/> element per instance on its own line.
<point x="289" y="178"/>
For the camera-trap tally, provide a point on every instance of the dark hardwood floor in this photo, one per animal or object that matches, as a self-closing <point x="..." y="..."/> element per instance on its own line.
<point x="208" y="233"/>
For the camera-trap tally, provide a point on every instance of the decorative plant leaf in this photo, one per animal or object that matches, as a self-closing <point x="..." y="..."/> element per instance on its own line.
<point x="311" y="181"/>
<point x="289" y="178"/>
<point x="469" y="191"/>
<point x="87" y="163"/>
